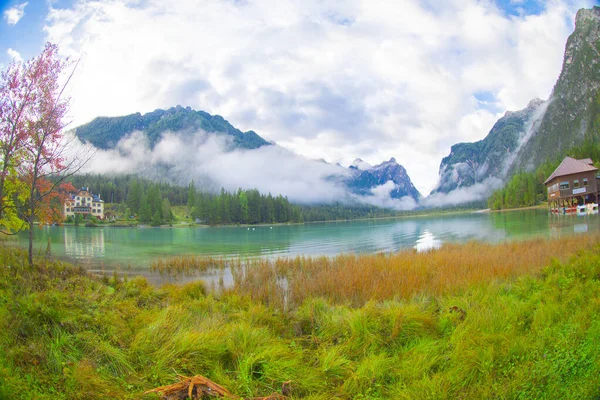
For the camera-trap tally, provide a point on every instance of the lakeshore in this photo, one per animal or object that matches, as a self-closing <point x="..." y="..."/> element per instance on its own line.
<point x="132" y="250"/>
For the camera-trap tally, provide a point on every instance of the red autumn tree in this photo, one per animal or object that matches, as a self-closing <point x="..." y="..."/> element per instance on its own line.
<point x="32" y="142"/>
<point x="17" y="93"/>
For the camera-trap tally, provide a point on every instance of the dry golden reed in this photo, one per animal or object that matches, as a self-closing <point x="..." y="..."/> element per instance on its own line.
<point x="358" y="278"/>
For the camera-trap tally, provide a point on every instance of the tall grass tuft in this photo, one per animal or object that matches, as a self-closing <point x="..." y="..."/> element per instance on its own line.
<point x="186" y="265"/>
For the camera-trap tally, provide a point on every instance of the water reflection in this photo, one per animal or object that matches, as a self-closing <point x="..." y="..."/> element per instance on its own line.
<point x="427" y="241"/>
<point x="580" y="228"/>
<point x="350" y="237"/>
<point x="567" y="224"/>
<point x="84" y="243"/>
<point x="464" y="227"/>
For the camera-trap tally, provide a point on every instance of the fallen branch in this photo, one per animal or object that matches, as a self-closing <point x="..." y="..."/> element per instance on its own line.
<point x="194" y="388"/>
<point x="199" y="387"/>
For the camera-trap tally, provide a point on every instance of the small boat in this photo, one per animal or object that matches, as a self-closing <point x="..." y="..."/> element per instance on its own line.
<point x="581" y="210"/>
<point x="569" y="210"/>
<point x="591" y="208"/>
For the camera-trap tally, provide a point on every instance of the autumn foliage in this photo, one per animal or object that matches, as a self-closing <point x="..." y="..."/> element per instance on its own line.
<point x="32" y="146"/>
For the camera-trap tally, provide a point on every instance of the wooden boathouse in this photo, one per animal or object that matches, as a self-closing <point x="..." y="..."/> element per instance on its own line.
<point x="574" y="182"/>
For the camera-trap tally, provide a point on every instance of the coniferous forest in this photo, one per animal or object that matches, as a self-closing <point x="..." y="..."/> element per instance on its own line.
<point x="151" y="203"/>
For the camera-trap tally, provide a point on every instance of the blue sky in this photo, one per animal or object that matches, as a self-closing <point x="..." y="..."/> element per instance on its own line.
<point x="327" y="79"/>
<point x="519" y="8"/>
<point x="26" y="36"/>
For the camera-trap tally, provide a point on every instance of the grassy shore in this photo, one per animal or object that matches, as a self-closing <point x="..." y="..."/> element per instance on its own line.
<point x="517" y="320"/>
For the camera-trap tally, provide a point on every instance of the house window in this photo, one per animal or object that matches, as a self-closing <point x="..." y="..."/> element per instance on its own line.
<point x="576" y="183"/>
<point x="564" y="185"/>
<point x="585" y="181"/>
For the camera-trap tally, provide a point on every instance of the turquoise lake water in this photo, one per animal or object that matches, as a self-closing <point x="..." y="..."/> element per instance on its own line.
<point x="133" y="249"/>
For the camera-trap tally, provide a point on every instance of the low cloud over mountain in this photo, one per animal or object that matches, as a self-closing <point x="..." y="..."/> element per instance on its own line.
<point x="169" y="145"/>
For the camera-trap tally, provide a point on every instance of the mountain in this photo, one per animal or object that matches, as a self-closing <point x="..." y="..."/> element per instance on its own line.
<point x="573" y="113"/>
<point x="522" y="140"/>
<point x="364" y="178"/>
<point x="360" y="182"/>
<point x="471" y="163"/>
<point x="105" y="132"/>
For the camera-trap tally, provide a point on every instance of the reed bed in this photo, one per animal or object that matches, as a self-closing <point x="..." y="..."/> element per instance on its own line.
<point x="356" y="279"/>
<point x="188" y="265"/>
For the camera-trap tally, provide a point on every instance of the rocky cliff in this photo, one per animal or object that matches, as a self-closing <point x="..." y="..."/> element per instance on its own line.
<point x="544" y="130"/>
<point x="574" y="106"/>
<point x="471" y="163"/>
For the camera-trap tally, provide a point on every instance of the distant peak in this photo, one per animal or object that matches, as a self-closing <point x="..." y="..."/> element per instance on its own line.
<point x="360" y="165"/>
<point x="392" y="161"/>
<point x="106" y="132"/>
<point x="535" y="103"/>
<point x="532" y="105"/>
<point x="389" y="165"/>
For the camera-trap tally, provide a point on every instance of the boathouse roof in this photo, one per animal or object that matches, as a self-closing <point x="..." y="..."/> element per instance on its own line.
<point x="570" y="166"/>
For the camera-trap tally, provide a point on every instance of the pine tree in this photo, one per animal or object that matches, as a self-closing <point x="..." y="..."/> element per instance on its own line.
<point x="134" y="196"/>
<point x="145" y="213"/>
<point x="191" y="197"/>
<point x="243" y="207"/>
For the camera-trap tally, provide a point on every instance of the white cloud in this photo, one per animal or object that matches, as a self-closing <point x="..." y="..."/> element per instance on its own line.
<point x="13" y="15"/>
<point x="478" y="192"/>
<point x="206" y="160"/>
<point x="328" y="79"/>
<point x="14" y="55"/>
<point x="381" y="197"/>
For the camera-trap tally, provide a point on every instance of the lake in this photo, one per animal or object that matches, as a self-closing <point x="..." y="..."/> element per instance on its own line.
<point x="132" y="249"/>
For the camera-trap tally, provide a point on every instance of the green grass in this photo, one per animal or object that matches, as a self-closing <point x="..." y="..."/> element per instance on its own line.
<point x="181" y="213"/>
<point x="66" y="335"/>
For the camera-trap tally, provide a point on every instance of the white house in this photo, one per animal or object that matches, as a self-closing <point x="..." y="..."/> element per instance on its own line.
<point x="84" y="202"/>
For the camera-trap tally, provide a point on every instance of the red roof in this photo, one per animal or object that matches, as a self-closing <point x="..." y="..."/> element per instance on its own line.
<point x="570" y="166"/>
